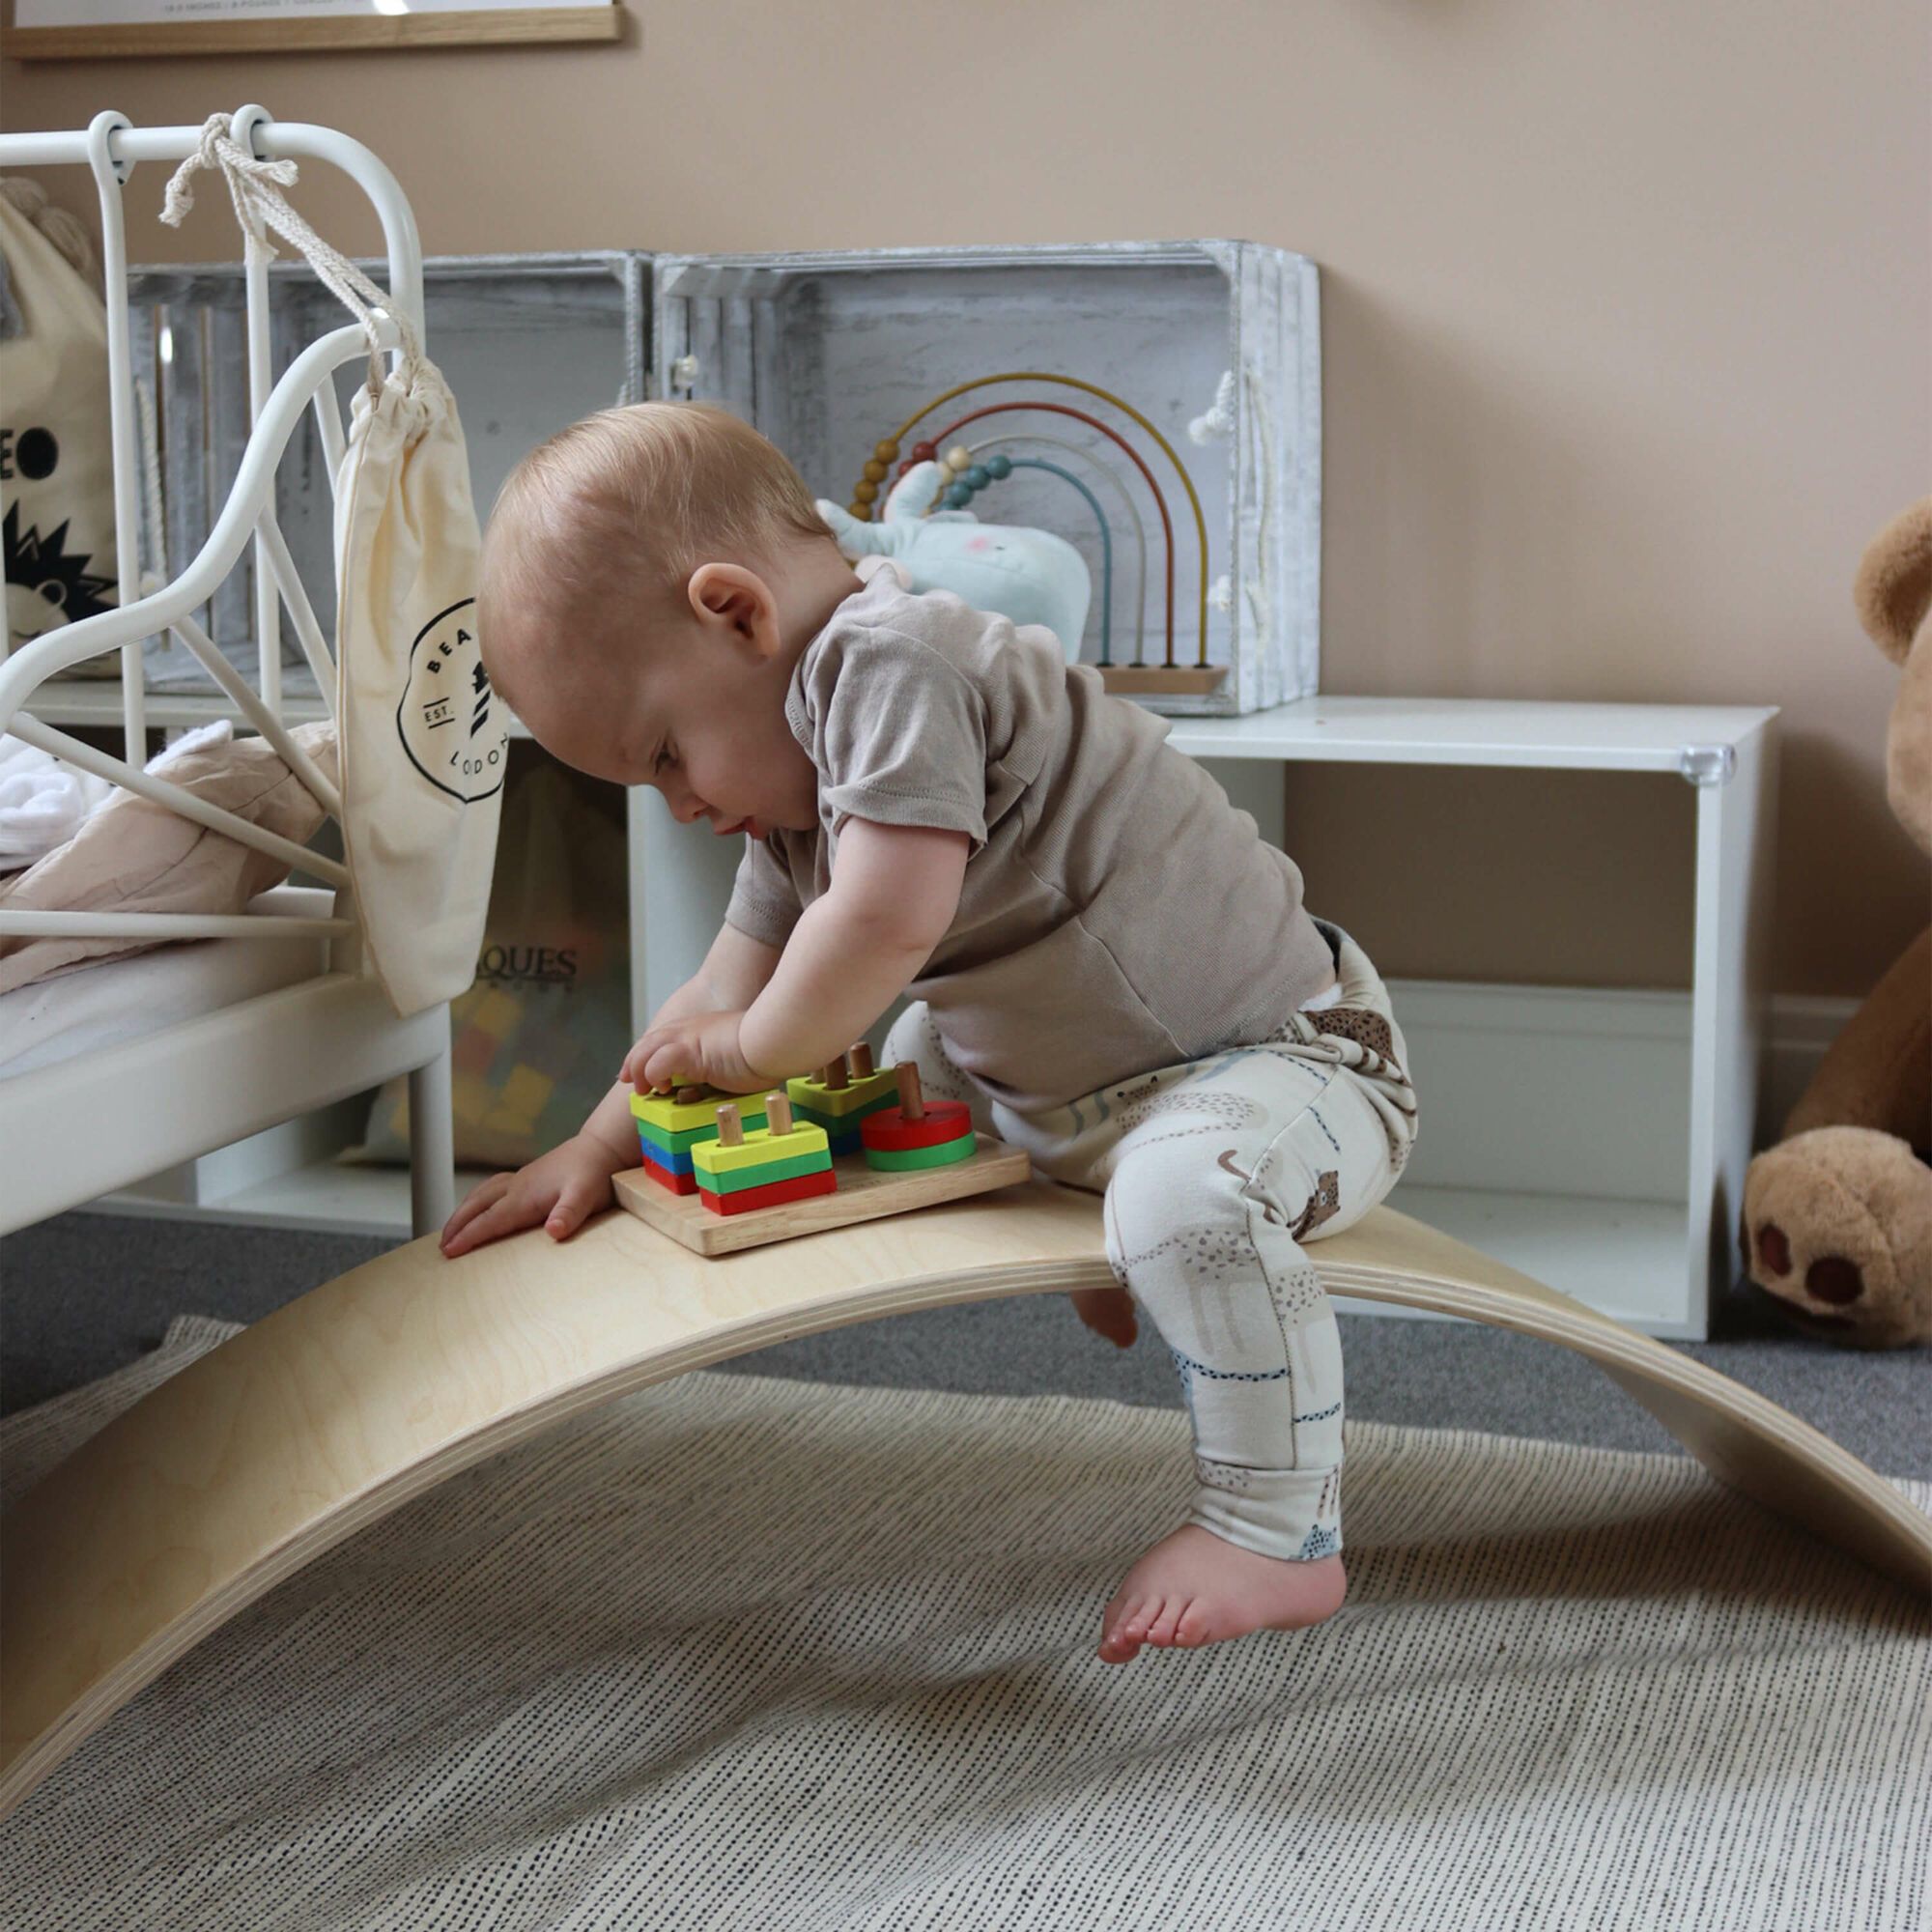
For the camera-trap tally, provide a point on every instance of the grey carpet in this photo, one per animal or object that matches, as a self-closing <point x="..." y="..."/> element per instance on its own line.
<point x="83" y="1293"/>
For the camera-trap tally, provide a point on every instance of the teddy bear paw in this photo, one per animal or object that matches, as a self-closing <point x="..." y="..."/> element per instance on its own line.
<point x="1831" y="1228"/>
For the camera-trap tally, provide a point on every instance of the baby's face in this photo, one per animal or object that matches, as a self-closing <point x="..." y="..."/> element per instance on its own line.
<point x="691" y="704"/>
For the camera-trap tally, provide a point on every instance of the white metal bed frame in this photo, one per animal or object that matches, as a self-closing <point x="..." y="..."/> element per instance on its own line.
<point x="82" y="1126"/>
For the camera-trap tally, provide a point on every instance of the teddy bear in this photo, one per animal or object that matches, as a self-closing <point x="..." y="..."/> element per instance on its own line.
<point x="1838" y="1216"/>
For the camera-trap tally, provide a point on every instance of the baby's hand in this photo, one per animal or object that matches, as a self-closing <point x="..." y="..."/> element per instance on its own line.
<point x="702" y="1049"/>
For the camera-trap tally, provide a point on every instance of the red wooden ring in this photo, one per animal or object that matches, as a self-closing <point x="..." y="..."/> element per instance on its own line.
<point x="889" y="1132"/>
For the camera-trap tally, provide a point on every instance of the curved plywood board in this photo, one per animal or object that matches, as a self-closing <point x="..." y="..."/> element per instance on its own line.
<point x="369" y="1391"/>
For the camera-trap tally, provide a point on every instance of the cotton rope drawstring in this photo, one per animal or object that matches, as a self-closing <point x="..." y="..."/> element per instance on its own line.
<point x="255" y="186"/>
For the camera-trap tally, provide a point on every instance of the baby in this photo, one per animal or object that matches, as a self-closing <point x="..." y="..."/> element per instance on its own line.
<point x="1107" y="962"/>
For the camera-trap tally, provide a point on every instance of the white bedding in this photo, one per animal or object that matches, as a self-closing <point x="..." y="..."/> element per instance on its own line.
<point x="98" y="1006"/>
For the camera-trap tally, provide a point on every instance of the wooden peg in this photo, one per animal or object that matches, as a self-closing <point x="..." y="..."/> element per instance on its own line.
<point x="730" y="1125"/>
<point x="777" y="1115"/>
<point x="912" y="1102"/>
<point x="859" y="1057"/>
<point x="685" y="1095"/>
<point x="833" y="1076"/>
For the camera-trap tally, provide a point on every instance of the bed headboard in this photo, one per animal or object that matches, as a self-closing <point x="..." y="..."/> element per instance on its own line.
<point x="111" y="148"/>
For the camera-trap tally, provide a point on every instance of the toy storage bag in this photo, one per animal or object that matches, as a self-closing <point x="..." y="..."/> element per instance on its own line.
<point x="422" y="738"/>
<point x="56" y="444"/>
<point x="541" y="1036"/>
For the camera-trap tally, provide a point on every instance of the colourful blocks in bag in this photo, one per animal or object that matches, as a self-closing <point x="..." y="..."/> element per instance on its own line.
<point x="840" y="1097"/>
<point x="917" y="1132"/>
<point x="785" y="1160"/>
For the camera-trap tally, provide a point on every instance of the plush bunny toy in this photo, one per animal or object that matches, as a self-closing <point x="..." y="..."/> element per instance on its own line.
<point x="1028" y="576"/>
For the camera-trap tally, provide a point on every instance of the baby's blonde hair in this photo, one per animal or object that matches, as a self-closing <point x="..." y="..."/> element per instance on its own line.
<point x="633" y="500"/>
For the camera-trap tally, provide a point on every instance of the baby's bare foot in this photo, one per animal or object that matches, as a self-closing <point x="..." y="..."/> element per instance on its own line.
<point x="1194" y="1587"/>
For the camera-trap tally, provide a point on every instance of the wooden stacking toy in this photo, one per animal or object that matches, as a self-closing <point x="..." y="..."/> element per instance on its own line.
<point x="841" y="1094"/>
<point x="918" y="1132"/>
<point x="784" y="1161"/>
<point x="670" y="1124"/>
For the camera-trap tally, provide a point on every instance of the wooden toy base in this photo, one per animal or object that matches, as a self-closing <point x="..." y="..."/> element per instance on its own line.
<point x="864" y="1193"/>
<point x="1162" y="680"/>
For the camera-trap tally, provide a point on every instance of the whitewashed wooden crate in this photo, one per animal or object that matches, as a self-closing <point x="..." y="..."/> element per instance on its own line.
<point x="528" y="342"/>
<point x="828" y="354"/>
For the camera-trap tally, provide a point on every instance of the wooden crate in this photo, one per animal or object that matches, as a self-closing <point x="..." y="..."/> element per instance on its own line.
<point x="829" y="354"/>
<point x="528" y="343"/>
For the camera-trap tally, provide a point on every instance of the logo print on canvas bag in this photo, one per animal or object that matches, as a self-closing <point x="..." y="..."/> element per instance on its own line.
<point x="449" y="721"/>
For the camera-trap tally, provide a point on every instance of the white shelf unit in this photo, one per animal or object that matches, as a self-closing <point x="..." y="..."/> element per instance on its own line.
<point x="1651" y="1246"/>
<point x="1676" y="1093"/>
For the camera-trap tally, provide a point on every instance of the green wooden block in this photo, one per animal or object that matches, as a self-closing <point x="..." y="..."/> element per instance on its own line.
<point x="896" y="1160"/>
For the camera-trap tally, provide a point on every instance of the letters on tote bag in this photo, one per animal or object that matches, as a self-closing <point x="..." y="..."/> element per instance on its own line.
<point x="56" y="447"/>
<point x="422" y="738"/>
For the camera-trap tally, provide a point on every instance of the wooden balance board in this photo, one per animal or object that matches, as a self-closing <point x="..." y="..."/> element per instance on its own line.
<point x="378" y="1385"/>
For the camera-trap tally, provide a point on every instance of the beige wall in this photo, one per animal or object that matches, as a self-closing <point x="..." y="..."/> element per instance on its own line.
<point x="1628" y="332"/>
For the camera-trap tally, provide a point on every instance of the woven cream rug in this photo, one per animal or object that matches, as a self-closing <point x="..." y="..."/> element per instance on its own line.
<point x="740" y="1652"/>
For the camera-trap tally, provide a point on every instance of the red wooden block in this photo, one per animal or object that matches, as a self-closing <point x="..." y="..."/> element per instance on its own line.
<point x="891" y="1131"/>
<point x="741" y="1200"/>
<point x="675" y="1184"/>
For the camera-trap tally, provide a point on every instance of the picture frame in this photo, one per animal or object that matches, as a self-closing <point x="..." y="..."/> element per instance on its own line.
<point x="97" y="29"/>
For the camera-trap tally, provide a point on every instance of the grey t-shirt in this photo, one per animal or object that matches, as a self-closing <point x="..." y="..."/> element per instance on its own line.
<point x="1118" y="913"/>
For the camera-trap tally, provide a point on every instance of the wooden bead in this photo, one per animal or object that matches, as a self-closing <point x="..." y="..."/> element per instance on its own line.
<point x="959" y="457"/>
<point x="999" y="465"/>
<point x="860" y="512"/>
<point x="865" y="493"/>
<point x="876" y="471"/>
<point x="923" y="452"/>
<point x="884" y="452"/>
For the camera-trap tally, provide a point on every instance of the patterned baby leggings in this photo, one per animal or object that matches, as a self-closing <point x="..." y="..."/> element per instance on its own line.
<point x="1215" y="1172"/>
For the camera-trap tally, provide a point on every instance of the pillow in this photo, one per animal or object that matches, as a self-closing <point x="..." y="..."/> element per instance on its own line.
<point x="133" y="854"/>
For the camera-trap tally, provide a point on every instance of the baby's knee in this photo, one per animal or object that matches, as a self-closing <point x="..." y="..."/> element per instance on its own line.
<point x="1171" y="1207"/>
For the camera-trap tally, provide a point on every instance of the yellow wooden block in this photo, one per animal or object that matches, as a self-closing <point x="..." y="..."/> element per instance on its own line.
<point x="676" y="1117"/>
<point x="760" y="1146"/>
<point x="808" y="1091"/>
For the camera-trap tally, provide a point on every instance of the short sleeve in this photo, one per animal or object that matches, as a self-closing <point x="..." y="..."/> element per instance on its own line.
<point x="901" y="733"/>
<point x="764" y="903"/>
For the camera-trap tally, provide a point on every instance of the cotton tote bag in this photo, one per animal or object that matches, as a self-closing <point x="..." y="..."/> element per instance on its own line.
<point x="422" y="737"/>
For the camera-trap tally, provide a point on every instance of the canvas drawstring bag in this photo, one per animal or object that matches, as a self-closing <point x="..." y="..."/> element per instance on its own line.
<point x="422" y="737"/>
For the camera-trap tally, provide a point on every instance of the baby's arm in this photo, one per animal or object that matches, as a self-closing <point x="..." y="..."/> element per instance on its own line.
<point x="892" y="894"/>
<point x="895" y="889"/>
